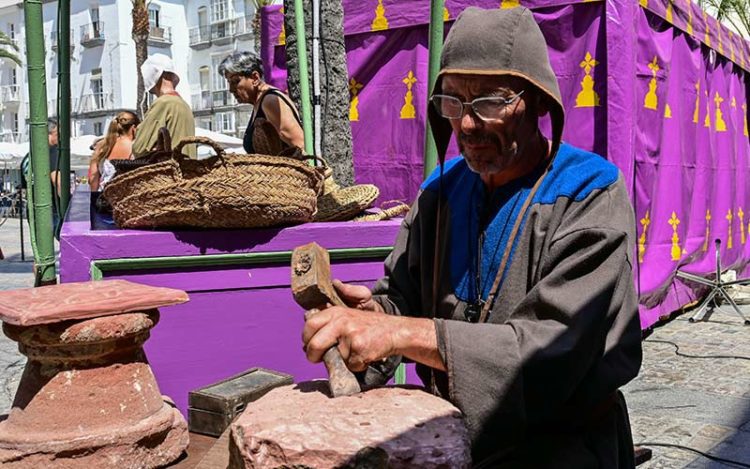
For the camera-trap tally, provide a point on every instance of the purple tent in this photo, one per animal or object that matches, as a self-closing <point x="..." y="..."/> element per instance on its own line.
<point x="656" y="86"/>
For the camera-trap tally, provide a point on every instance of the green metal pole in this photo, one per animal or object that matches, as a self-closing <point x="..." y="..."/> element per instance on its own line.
<point x="435" y="46"/>
<point x="44" y="252"/>
<point x="63" y="104"/>
<point x="299" y="26"/>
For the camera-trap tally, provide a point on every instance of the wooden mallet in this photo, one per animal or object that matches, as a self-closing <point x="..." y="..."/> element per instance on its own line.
<point x="312" y="288"/>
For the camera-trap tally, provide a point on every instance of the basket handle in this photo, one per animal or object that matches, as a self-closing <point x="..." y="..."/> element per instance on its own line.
<point x="163" y="140"/>
<point x="201" y="141"/>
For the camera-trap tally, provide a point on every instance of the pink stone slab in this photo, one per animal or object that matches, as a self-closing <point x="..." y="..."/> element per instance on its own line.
<point x="82" y="300"/>
<point x="393" y="427"/>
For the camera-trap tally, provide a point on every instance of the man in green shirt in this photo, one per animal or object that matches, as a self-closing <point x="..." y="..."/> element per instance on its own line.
<point x="169" y="110"/>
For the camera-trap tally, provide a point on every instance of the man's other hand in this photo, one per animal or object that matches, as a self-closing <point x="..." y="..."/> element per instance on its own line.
<point x="361" y="337"/>
<point x="356" y="296"/>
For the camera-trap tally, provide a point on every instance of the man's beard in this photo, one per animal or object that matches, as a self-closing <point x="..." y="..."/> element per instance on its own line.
<point x="487" y="161"/>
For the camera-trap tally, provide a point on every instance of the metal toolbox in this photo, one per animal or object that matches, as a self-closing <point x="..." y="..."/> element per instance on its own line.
<point x="212" y="408"/>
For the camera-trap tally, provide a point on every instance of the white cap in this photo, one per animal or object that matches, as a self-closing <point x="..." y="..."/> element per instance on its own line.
<point x="153" y="68"/>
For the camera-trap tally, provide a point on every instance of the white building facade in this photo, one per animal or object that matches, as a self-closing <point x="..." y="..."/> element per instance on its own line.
<point x="197" y="34"/>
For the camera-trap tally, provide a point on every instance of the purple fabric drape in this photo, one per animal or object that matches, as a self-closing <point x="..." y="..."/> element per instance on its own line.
<point x="654" y="86"/>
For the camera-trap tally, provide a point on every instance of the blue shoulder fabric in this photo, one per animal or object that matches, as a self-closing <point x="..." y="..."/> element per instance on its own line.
<point x="575" y="174"/>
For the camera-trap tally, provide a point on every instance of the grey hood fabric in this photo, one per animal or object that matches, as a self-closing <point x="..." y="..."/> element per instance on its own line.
<point x="498" y="42"/>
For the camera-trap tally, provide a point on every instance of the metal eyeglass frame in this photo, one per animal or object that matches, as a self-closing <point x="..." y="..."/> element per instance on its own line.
<point x="504" y="101"/>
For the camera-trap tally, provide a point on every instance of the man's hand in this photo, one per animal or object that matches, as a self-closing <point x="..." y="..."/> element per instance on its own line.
<point x="357" y="296"/>
<point x="362" y="337"/>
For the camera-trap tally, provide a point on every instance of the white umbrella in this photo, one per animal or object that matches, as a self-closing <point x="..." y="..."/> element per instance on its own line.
<point x="229" y="143"/>
<point x="13" y="152"/>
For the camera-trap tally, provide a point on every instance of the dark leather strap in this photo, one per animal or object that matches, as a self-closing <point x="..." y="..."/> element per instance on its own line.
<point x="509" y="246"/>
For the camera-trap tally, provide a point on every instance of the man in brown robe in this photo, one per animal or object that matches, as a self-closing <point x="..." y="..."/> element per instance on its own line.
<point x="511" y="283"/>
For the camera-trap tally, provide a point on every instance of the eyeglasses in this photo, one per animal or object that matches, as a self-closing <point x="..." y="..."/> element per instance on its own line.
<point x="488" y="108"/>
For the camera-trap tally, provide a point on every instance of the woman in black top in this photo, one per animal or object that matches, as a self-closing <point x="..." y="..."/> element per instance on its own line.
<point x="275" y="125"/>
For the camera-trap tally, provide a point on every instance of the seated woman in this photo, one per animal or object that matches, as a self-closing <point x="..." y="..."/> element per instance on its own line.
<point x="117" y="144"/>
<point x="275" y="124"/>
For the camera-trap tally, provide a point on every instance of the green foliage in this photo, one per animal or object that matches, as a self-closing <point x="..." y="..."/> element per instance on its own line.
<point x="733" y="12"/>
<point x="6" y="44"/>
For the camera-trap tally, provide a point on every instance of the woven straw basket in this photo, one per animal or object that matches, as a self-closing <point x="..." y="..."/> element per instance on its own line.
<point x="224" y="191"/>
<point x="388" y="210"/>
<point x="339" y="204"/>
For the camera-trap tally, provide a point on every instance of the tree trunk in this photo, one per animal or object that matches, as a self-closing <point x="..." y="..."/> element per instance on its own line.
<point x="336" y="142"/>
<point x="140" y="34"/>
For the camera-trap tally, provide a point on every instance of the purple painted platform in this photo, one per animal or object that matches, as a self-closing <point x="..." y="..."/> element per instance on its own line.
<point x="239" y="316"/>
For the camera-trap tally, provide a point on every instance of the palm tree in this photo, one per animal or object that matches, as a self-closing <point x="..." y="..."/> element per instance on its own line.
<point x="734" y="12"/>
<point x="140" y="34"/>
<point x="4" y="52"/>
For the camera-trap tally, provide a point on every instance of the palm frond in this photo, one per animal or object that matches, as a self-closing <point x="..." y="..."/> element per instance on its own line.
<point x="7" y="41"/>
<point x="7" y="55"/>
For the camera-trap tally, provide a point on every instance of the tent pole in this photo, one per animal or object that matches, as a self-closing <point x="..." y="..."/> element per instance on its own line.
<point x="435" y="47"/>
<point x="44" y="248"/>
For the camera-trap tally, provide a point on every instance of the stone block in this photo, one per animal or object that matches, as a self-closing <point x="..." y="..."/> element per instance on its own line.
<point x="390" y="427"/>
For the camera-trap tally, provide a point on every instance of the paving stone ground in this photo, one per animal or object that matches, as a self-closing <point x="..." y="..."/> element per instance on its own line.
<point x="703" y="403"/>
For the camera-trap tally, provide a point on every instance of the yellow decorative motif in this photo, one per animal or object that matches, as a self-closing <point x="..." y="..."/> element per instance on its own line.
<point x="734" y="103"/>
<point x="721" y="126"/>
<point x="718" y="33"/>
<point x="676" y="251"/>
<point x="707" y="38"/>
<point x="741" y="216"/>
<point x="696" y="113"/>
<point x="645" y="221"/>
<point x="407" y="110"/>
<point x="652" y="101"/>
<point x="667" y="112"/>
<point x="644" y="3"/>
<point x="380" y="22"/>
<point x="508" y="4"/>
<point x="708" y="230"/>
<point x="282" y="34"/>
<point x="670" y="15"/>
<point x="744" y="113"/>
<point x="731" y="46"/>
<point x="354" y="88"/>
<point x="707" y="120"/>
<point x="729" y="218"/>
<point x="587" y="97"/>
<point x="690" y="19"/>
<point x="446" y="14"/>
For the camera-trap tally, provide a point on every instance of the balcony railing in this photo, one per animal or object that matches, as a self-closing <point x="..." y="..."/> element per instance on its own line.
<point x="244" y="25"/>
<point x="220" y="32"/>
<point x="160" y="36"/>
<point x="223" y="98"/>
<point x="11" y="137"/>
<point x="92" y="34"/>
<point x="200" y="37"/>
<point x="223" y="30"/>
<point x="94" y="102"/>
<point x="53" y="41"/>
<point x="202" y="101"/>
<point x="10" y="94"/>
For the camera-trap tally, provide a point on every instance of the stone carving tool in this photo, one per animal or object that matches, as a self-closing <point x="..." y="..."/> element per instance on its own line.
<point x="312" y="288"/>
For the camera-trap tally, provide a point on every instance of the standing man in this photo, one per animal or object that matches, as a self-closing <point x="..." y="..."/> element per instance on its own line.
<point x="510" y="284"/>
<point x="53" y="139"/>
<point x="169" y="110"/>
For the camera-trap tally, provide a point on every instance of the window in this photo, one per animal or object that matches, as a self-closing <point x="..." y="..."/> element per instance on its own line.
<point x="97" y="89"/>
<point x="220" y="83"/>
<point x="95" y="25"/>
<point x="153" y="16"/>
<point x="98" y="128"/>
<point x="12" y="31"/>
<point x="15" y="123"/>
<point x="13" y="76"/>
<point x="219" y="10"/>
<point x="225" y="121"/>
